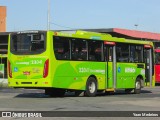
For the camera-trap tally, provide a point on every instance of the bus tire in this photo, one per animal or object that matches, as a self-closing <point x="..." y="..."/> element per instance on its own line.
<point x="91" y="87"/>
<point x="137" y="89"/>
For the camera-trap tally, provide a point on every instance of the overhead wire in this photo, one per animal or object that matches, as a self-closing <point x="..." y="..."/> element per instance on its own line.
<point x="61" y="25"/>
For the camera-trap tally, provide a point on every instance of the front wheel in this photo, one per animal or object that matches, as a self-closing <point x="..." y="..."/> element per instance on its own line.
<point x="137" y="88"/>
<point x="91" y="87"/>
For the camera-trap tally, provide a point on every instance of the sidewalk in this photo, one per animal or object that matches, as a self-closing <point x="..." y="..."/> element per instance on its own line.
<point x="3" y="82"/>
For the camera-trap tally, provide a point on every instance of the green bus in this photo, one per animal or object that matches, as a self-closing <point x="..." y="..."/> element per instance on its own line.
<point x="78" y="61"/>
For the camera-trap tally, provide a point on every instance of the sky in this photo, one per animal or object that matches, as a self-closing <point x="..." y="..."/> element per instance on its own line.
<point x="83" y="14"/>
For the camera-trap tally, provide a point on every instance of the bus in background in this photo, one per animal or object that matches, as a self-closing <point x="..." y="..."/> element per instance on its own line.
<point x="157" y="65"/>
<point x="80" y="61"/>
<point x="3" y="56"/>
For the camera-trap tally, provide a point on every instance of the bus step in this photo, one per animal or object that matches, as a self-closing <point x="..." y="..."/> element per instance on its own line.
<point x="110" y="90"/>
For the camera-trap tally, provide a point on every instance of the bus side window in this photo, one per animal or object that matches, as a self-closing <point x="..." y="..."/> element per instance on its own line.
<point x="118" y="52"/>
<point x="66" y="52"/>
<point x="133" y="56"/>
<point x="122" y="51"/>
<point x="110" y="56"/>
<point x="157" y="58"/>
<point x="61" y="48"/>
<point x="136" y="54"/>
<point x="95" y="50"/>
<point x="79" y="49"/>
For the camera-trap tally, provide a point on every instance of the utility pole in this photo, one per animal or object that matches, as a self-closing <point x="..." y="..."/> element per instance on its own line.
<point x="48" y="21"/>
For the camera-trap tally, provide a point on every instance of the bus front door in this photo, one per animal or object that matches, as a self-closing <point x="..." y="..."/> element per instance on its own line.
<point x="149" y="67"/>
<point x="110" y="58"/>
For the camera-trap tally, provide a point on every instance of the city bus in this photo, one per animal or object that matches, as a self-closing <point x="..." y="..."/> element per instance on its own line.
<point x="79" y="61"/>
<point x="157" y="65"/>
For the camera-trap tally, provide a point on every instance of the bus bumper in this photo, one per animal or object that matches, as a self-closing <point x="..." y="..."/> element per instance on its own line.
<point x="33" y="83"/>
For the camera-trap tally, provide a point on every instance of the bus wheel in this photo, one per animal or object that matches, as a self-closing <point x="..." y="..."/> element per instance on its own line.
<point x="137" y="88"/>
<point x="91" y="87"/>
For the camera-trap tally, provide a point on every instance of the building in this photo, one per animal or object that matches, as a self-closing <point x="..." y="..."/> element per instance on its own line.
<point x="129" y="34"/>
<point x="3" y="45"/>
<point x="3" y="16"/>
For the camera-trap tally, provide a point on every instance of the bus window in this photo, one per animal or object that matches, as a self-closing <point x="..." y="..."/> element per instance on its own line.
<point x="27" y="43"/>
<point x="122" y="51"/>
<point x="79" y="49"/>
<point x="61" y="48"/>
<point x="136" y="54"/>
<point x="157" y="58"/>
<point x="95" y="50"/>
<point x="110" y="52"/>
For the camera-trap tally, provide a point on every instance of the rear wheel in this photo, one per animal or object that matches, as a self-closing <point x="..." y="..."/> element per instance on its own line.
<point x="137" y="89"/>
<point x="91" y="87"/>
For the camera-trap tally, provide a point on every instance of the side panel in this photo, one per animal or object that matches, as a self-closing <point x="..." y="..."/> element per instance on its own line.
<point x="127" y="73"/>
<point x="74" y="74"/>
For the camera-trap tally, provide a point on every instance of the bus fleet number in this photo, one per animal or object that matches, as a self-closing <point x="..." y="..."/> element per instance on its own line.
<point x="83" y="70"/>
<point x="36" y="62"/>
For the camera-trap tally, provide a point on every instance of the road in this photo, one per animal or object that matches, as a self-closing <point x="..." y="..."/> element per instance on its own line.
<point x="35" y="100"/>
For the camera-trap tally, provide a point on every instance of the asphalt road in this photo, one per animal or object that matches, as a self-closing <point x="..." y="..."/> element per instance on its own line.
<point x="36" y="100"/>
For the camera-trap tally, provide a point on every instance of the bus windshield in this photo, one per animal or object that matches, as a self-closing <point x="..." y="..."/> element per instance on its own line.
<point x="27" y="43"/>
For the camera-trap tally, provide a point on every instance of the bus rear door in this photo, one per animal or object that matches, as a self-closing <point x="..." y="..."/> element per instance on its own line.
<point x="110" y="58"/>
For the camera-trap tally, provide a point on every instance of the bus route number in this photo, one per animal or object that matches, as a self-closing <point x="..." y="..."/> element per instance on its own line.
<point x="83" y="70"/>
<point x="36" y="62"/>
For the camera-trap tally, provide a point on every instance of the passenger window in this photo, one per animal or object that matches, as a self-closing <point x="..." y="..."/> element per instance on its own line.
<point x="61" y="48"/>
<point x="79" y="49"/>
<point x="136" y="53"/>
<point x="122" y="51"/>
<point x="95" y="50"/>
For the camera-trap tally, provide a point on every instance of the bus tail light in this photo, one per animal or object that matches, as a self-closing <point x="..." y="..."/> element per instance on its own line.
<point x="46" y="68"/>
<point x="9" y="69"/>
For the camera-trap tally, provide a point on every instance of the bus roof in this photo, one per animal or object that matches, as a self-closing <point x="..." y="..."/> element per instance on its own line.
<point x="129" y="34"/>
<point x="98" y="36"/>
<point x="88" y="35"/>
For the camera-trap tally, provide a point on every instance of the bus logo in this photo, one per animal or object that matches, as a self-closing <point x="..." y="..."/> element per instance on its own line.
<point x="119" y="69"/>
<point x="130" y="70"/>
<point x="26" y="73"/>
<point x="15" y="69"/>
